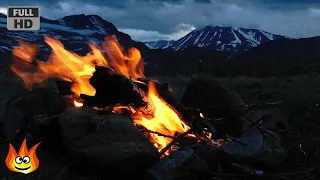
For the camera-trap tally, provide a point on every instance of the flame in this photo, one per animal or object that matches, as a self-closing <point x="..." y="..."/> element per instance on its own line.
<point x="78" y="69"/>
<point x="77" y="104"/>
<point x="165" y="120"/>
<point x="25" y="161"/>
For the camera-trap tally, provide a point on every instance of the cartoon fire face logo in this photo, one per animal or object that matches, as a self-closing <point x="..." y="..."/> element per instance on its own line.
<point x="25" y="161"/>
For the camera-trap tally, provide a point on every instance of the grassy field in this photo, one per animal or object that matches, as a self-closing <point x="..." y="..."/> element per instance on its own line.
<point x="297" y="96"/>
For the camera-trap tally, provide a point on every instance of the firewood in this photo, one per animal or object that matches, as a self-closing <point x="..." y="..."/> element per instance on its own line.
<point x="113" y="88"/>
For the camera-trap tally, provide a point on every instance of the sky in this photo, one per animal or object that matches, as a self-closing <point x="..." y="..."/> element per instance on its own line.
<point x="147" y="20"/>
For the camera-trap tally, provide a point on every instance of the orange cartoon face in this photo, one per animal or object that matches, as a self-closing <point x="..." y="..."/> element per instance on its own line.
<point x="25" y="161"/>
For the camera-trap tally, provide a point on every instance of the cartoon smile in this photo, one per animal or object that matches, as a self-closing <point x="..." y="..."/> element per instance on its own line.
<point x="25" y="161"/>
<point x="22" y="169"/>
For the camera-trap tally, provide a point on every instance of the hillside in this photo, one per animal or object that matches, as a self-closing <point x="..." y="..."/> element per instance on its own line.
<point x="75" y="32"/>
<point x="226" y="39"/>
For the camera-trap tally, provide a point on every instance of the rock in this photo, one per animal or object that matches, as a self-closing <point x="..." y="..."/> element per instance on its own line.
<point x="179" y="165"/>
<point x="2" y="107"/>
<point x="2" y="111"/>
<point x="272" y="152"/>
<point x="204" y="91"/>
<point x="212" y="156"/>
<point x="47" y="131"/>
<point x="238" y="103"/>
<point x="77" y="123"/>
<point x="22" y="108"/>
<point x="111" y="143"/>
<point x="260" y="148"/>
<point x="272" y="119"/>
<point x="216" y="102"/>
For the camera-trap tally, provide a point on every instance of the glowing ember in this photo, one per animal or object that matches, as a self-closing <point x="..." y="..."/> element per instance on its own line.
<point x="78" y="69"/>
<point x="77" y="104"/>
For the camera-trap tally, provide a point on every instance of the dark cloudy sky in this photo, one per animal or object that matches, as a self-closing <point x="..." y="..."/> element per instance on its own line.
<point x="171" y="19"/>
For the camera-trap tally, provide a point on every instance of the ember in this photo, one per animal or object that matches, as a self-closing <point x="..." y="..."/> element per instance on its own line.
<point x="73" y="68"/>
<point x="77" y="104"/>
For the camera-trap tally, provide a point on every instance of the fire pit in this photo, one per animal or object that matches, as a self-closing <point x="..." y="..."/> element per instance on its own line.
<point x="110" y="115"/>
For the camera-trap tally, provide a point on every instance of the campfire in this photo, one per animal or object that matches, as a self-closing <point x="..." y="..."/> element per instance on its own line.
<point x="105" y="95"/>
<point x="162" y="121"/>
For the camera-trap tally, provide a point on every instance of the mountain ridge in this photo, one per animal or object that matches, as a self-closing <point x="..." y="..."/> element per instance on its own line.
<point x="74" y="31"/>
<point x="223" y="38"/>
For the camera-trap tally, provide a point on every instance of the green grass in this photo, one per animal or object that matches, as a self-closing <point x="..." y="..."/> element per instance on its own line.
<point x="299" y="98"/>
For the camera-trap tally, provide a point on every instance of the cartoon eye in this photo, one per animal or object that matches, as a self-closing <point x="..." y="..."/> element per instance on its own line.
<point x="19" y="160"/>
<point x="26" y="159"/>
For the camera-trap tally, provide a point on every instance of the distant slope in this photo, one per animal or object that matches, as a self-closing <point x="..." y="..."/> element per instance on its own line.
<point x="75" y="32"/>
<point x="304" y="49"/>
<point x="281" y="57"/>
<point x="168" y="62"/>
<point x="161" y="44"/>
<point x="225" y="39"/>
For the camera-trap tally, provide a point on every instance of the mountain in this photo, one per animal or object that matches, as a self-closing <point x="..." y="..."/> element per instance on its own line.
<point x="161" y="44"/>
<point x="225" y="39"/>
<point x="186" y="62"/>
<point x="75" y="32"/>
<point x="281" y="57"/>
<point x="304" y="49"/>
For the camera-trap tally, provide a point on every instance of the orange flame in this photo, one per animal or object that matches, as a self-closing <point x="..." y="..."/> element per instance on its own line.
<point x="165" y="120"/>
<point x="25" y="161"/>
<point x="78" y="69"/>
<point x="74" y="68"/>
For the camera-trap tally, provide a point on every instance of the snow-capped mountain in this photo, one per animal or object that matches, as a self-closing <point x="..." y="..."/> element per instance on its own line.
<point x="225" y="39"/>
<point x="75" y="32"/>
<point x="161" y="44"/>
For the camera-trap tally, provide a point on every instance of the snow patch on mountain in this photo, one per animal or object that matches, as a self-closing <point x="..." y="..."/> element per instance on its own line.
<point x="75" y="32"/>
<point x="161" y="44"/>
<point x="228" y="39"/>
<point x="61" y="21"/>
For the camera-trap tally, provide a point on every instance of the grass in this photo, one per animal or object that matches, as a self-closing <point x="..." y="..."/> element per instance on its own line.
<point x="297" y="96"/>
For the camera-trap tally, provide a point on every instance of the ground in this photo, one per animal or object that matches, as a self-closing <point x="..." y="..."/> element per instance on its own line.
<point x="297" y="96"/>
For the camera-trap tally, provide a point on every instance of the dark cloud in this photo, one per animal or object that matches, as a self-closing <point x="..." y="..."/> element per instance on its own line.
<point x="170" y="19"/>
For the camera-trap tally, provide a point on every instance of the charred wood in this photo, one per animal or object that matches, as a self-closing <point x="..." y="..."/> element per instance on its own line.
<point x="113" y="88"/>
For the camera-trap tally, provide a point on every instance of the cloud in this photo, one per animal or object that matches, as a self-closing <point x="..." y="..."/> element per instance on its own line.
<point x="163" y="19"/>
<point x="3" y="10"/>
<point x="144" y="35"/>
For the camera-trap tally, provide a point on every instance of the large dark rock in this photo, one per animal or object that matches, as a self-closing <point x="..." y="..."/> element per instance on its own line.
<point x="272" y="119"/>
<point x="179" y="165"/>
<point x="203" y="92"/>
<point x="212" y="155"/>
<point x="23" y="108"/>
<point x="111" y="143"/>
<point x="257" y="147"/>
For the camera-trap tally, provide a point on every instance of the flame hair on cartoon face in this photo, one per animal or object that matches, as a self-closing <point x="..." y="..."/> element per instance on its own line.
<point x="25" y="161"/>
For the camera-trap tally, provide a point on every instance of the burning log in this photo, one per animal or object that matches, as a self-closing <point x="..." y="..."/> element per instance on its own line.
<point x="64" y="87"/>
<point x="113" y="88"/>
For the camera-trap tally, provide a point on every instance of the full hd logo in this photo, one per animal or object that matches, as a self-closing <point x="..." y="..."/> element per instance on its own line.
<point x="21" y="18"/>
